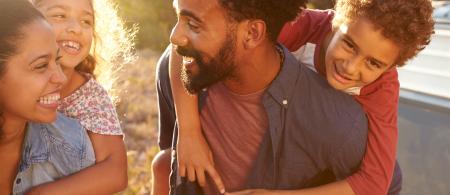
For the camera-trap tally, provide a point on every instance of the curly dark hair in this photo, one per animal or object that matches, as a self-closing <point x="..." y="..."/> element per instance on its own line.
<point x="275" y="13"/>
<point x="408" y="23"/>
<point x="88" y="64"/>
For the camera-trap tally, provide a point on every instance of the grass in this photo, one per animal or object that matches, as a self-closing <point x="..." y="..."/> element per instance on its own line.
<point x="137" y="110"/>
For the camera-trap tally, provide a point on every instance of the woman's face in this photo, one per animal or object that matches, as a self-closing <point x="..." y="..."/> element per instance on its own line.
<point x="30" y="86"/>
<point x="73" y="24"/>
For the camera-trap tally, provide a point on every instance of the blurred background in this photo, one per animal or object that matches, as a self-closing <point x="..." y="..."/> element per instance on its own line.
<point x="424" y="110"/>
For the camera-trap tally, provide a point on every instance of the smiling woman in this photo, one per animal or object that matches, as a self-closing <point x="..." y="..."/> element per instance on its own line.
<point x="31" y="147"/>
<point x="30" y="77"/>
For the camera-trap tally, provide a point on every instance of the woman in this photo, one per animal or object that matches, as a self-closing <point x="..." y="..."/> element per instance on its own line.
<point x="30" y="85"/>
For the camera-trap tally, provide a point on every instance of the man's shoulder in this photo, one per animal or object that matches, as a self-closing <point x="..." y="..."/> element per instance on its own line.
<point x="162" y="77"/>
<point x="162" y="66"/>
<point x="332" y="114"/>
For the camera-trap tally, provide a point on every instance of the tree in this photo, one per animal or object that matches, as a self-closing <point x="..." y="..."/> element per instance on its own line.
<point x="155" y="19"/>
<point x="322" y="4"/>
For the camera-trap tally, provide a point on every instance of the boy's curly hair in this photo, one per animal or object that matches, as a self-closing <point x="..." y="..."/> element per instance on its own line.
<point x="408" y="23"/>
<point x="274" y="12"/>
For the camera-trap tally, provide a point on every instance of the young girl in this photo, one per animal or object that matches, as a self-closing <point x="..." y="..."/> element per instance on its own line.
<point x="343" y="51"/>
<point x="30" y="86"/>
<point x="90" y="36"/>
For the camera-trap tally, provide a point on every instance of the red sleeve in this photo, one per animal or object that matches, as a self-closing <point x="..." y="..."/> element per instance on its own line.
<point x="380" y="102"/>
<point x="310" y="26"/>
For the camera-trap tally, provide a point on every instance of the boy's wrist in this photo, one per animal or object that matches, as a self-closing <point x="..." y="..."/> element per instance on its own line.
<point x="190" y="132"/>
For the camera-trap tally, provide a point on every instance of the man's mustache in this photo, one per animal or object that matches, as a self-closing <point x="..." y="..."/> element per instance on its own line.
<point x="188" y="52"/>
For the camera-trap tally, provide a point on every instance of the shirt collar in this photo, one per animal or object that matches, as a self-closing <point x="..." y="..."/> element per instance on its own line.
<point x="282" y="87"/>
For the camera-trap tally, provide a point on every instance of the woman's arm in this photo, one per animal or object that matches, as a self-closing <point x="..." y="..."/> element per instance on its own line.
<point x="107" y="176"/>
<point x="194" y="155"/>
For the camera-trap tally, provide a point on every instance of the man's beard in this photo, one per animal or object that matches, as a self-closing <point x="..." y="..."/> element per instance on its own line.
<point x="218" y="68"/>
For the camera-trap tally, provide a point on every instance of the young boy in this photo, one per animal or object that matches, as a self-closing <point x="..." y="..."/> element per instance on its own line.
<point x="357" y="49"/>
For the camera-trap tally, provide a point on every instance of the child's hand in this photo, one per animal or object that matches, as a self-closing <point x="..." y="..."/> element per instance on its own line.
<point x="195" y="157"/>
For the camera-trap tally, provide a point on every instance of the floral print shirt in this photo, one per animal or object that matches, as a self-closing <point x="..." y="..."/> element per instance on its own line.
<point x="92" y="106"/>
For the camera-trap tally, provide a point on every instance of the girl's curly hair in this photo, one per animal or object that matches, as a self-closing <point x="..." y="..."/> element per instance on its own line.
<point x="112" y="47"/>
<point x="274" y="12"/>
<point x="408" y="23"/>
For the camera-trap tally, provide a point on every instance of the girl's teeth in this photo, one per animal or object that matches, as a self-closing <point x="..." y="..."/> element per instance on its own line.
<point x="71" y="44"/>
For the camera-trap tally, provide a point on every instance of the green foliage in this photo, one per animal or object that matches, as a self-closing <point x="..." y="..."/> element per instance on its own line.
<point x="138" y="114"/>
<point x="321" y="4"/>
<point x="155" y="19"/>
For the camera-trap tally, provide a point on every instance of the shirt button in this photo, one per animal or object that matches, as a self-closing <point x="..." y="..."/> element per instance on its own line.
<point x="174" y="153"/>
<point x="285" y="102"/>
<point x="18" y="181"/>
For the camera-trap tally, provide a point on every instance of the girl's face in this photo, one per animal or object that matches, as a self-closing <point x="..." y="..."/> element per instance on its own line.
<point x="30" y="86"/>
<point x="73" y="24"/>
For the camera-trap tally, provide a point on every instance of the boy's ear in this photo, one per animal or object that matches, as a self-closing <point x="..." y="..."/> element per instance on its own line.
<point x="254" y="33"/>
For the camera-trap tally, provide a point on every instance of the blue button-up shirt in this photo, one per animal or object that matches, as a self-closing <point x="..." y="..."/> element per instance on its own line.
<point x="316" y="134"/>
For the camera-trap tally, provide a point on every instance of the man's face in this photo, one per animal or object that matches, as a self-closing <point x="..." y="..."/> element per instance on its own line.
<point x="358" y="54"/>
<point x="206" y="40"/>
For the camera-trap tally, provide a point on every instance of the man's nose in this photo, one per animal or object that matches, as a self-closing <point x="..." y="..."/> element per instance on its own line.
<point x="178" y="37"/>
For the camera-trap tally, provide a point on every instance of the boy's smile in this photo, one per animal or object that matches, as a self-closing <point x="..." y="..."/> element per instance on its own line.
<point x="358" y="54"/>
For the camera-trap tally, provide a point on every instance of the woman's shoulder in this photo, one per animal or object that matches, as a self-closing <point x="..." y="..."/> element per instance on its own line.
<point x="53" y="150"/>
<point x="65" y="130"/>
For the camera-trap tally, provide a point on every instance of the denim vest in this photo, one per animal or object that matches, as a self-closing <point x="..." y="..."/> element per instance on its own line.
<point x="51" y="151"/>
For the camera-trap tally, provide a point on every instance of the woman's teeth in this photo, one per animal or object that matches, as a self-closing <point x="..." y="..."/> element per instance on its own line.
<point x="49" y="99"/>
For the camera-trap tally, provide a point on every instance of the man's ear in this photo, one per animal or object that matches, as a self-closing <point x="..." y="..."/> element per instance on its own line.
<point x="254" y="33"/>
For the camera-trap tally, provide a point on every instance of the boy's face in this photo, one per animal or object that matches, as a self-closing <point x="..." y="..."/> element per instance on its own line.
<point x="358" y="54"/>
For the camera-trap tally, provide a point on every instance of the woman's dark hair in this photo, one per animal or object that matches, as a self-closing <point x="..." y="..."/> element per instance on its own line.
<point x="14" y="15"/>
